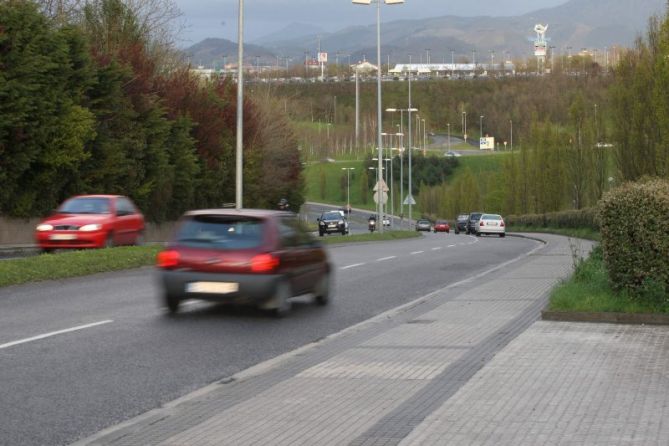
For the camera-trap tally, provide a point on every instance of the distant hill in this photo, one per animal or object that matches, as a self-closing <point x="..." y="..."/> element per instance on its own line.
<point x="211" y="52"/>
<point x="576" y="24"/>
<point x="292" y="31"/>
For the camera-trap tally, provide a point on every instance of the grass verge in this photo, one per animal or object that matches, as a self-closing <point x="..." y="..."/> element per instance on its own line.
<point x="588" y="290"/>
<point x="583" y="233"/>
<point x="75" y="263"/>
<point x="370" y="237"/>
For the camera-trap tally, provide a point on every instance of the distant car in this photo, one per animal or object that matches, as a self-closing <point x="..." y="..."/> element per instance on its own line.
<point x="473" y="222"/>
<point x="386" y="221"/>
<point x="491" y="224"/>
<point x="91" y="221"/>
<point x="331" y="222"/>
<point x="441" y="226"/>
<point x="453" y="154"/>
<point x="461" y="223"/>
<point x="424" y="225"/>
<point x="256" y="257"/>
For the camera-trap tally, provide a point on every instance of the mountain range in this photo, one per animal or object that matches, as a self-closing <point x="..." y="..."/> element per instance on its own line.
<point x="592" y="24"/>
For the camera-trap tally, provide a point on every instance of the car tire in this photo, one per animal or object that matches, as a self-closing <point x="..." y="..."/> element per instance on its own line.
<point x="109" y="241"/>
<point x="139" y="240"/>
<point x="321" y="233"/>
<point x="46" y="250"/>
<point x="322" y="291"/>
<point x="282" y="297"/>
<point x="172" y="303"/>
<point x="478" y="234"/>
<point x="502" y="235"/>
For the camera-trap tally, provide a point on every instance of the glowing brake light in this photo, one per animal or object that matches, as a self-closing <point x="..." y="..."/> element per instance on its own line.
<point x="264" y="263"/>
<point x="167" y="259"/>
<point x="502" y="224"/>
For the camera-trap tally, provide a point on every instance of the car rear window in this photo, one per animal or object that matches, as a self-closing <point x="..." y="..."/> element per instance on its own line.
<point x="221" y="232"/>
<point x="85" y="205"/>
<point x="491" y="217"/>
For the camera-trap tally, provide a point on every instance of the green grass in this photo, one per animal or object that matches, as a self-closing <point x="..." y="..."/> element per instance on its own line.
<point x="369" y="237"/>
<point x="481" y="164"/>
<point x="583" y="233"/>
<point x="75" y="263"/>
<point x="335" y="194"/>
<point x="589" y="291"/>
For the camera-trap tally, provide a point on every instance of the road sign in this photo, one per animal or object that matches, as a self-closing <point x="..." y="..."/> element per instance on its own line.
<point x="384" y="197"/>
<point x="409" y="200"/>
<point x="384" y="186"/>
<point x="323" y="57"/>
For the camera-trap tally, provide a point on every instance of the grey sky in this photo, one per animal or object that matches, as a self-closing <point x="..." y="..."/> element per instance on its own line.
<point x="218" y="18"/>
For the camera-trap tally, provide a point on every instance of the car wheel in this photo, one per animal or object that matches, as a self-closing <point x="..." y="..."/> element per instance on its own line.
<point x="502" y="235"/>
<point x="281" y="299"/>
<point x="46" y="250"/>
<point x="172" y="303"/>
<point x="322" y="290"/>
<point x="343" y="232"/>
<point x="139" y="240"/>
<point x="109" y="241"/>
<point x="457" y="232"/>
<point x="320" y="233"/>
<point x="478" y="234"/>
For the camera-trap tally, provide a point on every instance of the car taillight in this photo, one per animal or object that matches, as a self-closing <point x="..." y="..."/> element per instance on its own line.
<point x="482" y="224"/>
<point x="167" y="259"/>
<point x="502" y="225"/>
<point x="264" y="263"/>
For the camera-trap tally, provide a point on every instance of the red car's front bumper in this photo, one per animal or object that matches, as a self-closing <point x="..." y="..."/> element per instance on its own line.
<point x="70" y="239"/>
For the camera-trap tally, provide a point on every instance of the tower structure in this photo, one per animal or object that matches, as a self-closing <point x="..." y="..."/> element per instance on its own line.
<point x="540" y="46"/>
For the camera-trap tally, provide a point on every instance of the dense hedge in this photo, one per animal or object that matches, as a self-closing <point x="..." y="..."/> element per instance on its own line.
<point x="575" y="219"/>
<point x="635" y="237"/>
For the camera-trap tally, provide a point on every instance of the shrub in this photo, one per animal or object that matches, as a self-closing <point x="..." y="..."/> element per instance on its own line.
<point x="635" y="238"/>
<point x="574" y="219"/>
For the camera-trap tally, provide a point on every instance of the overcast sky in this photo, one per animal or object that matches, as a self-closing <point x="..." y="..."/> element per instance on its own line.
<point x="218" y="18"/>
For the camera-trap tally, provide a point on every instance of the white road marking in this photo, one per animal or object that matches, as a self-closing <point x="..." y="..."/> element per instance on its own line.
<point x="53" y="333"/>
<point x="450" y="246"/>
<point x="355" y="265"/>
<point x="382" y="259"/>
<point x="436" y="249"/>
<point x="417" y="252"/>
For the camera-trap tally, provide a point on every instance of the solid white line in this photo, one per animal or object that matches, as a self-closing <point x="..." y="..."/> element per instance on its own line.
<point x="352" y="266"/>
<point x="53" y="333"/>
<point x="417" y="252"/>
<point x="382" y="259"/>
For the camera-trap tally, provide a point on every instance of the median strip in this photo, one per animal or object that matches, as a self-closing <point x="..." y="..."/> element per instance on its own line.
<point x="53" y="333"/>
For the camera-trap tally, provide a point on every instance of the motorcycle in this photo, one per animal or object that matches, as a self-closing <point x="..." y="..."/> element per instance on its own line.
<point x="372" y="225"/>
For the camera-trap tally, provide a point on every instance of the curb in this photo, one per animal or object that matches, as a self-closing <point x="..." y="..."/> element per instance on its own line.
<point x="606" y="318"/>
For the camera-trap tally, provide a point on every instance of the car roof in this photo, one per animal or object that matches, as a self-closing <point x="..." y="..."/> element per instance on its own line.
<point x="258" y="213"/>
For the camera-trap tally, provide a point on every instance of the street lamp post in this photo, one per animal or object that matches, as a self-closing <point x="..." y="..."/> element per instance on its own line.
<point x="464" y="126"/>
<point x="348" y="187"/>
<point x="379" y="121"/>
<point x="511" y="123"/>
<point x="424" y="138"/>
<point x="240" y="108"/>
<point x="449" y="136"/>
<point x="481" y="125"/>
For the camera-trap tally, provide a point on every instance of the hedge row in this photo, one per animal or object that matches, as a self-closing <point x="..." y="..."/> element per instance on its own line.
<point x="635" y="238"/>
<point x="574" y="219"/>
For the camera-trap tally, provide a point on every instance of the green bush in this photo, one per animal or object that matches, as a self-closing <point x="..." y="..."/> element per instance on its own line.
<point x="575" y="219"/>
<point x="635" y="238"/>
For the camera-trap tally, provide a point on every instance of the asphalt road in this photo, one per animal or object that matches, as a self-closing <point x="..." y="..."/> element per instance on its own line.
<point x="79" y="355"/>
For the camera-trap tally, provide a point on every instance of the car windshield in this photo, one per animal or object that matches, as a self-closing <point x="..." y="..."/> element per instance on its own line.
<point x="88" y="205"/>
<point x="332" y="216"/>
<point x="221" y="232"/>
<point x="423" y="222"/>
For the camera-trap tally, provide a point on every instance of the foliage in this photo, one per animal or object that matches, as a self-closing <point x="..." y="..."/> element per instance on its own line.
<point x="573" y="219"/>
<point x="90" y="103"/>
<point x="589" y="290"/>
<point x="635" y="237"/>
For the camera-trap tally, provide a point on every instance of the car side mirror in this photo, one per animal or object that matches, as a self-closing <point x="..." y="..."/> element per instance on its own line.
<point x="318" y="219"/>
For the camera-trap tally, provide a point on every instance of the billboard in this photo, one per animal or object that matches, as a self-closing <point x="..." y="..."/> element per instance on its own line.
<point x="487" y="143"/>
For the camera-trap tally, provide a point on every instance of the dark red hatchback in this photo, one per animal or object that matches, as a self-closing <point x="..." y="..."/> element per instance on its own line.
<point x="246" y="256"/>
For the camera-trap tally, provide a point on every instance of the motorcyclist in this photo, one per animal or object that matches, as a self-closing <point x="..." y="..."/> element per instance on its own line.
<point x="283" y="205"/>
<point x="371" y="223"/>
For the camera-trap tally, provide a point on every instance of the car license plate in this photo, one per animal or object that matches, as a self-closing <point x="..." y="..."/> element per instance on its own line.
<point x="212" y="287"/>
<point x="332" y="225"/>
<point x="492" y="224"/>
<point x="62" y="237"/>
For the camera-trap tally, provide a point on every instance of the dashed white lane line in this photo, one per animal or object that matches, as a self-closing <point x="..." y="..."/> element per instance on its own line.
<point x="53" y="333"/>
<point x="436" y="249"/>
<point x="450" y="246"/>
<point x="355" y="265"/>
<point x="383" y="259"/>
<point x="417" y="252"/>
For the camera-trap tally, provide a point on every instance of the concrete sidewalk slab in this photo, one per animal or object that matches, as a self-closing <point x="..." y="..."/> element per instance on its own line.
<point x="456" y="367"/>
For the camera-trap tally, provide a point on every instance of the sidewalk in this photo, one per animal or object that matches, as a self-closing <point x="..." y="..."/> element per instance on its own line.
<point x="468" y="364"/>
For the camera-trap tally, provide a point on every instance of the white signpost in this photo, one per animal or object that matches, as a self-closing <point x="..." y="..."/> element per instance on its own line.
<point x="487" y="143"/>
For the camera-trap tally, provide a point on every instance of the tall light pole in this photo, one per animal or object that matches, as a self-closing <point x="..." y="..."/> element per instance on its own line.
<point x="452" y="63"/>
<point x="481" y="125"/>
<point x="424" y="138"/>
<point x="348" y="187"/>
<point x="379" y="118"/>
<point x="240" y="108"/>
<point x="464" y="132"/>
<point x="449" y="136"/>
<point x="511" y="123"/>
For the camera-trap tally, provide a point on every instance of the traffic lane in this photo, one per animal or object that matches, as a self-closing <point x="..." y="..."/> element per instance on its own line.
<point x="81" y="382"/>
<point x="358" y="219"/>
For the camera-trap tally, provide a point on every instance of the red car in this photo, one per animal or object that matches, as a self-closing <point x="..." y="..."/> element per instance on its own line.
<point x="442" y="226"/>
<point x="244" y="256"/>
<point x="91" y="221"/>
